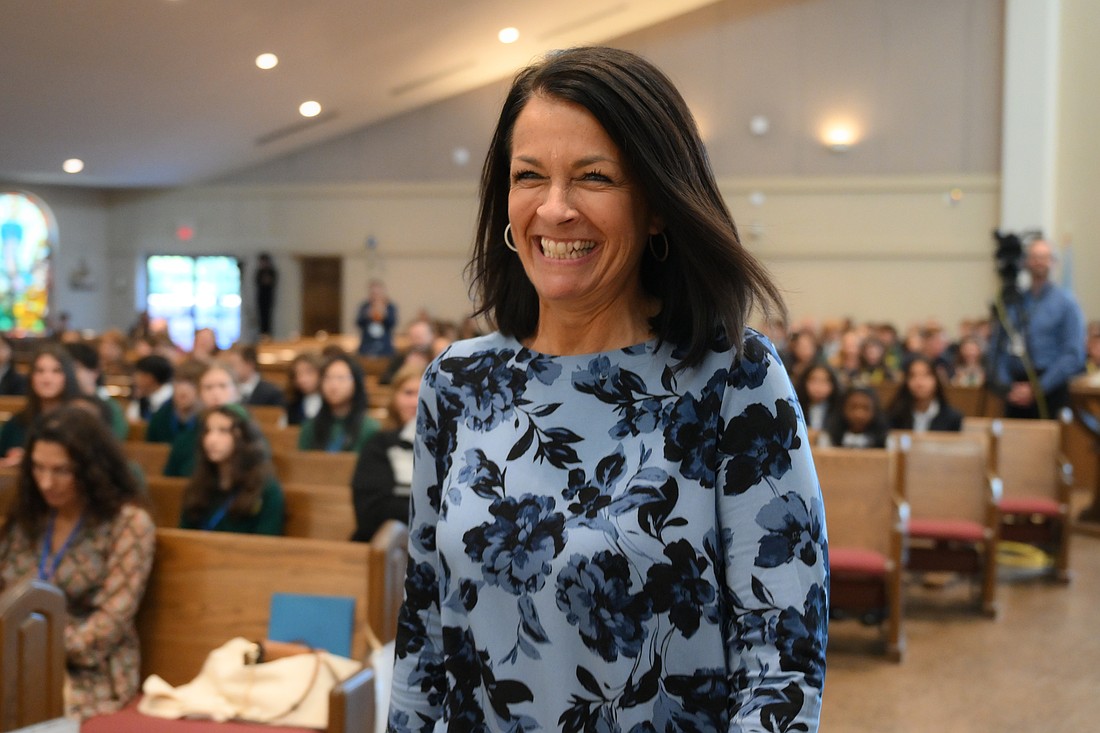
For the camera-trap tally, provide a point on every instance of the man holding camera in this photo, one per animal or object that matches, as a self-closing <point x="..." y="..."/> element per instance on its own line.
<point x="1046" y="343"/>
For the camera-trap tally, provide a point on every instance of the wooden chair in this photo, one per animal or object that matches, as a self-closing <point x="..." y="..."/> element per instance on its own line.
<point x="150" y="457"/>
<point x="1038" y="482"/>
<point x="314" y="467"/>
<point x="867" y="526"/>
<point x="32" y="654"/>
<point x="953" y="492"/>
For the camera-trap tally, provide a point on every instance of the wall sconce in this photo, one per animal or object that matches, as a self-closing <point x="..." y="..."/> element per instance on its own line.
<point x="839" y="138"/>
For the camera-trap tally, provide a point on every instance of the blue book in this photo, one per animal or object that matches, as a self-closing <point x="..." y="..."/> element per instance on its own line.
<point x="322" y="622"/>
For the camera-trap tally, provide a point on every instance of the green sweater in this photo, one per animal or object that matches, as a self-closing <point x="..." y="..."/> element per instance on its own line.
<point x="268" y="519"/>
<point x="307" y="440"/>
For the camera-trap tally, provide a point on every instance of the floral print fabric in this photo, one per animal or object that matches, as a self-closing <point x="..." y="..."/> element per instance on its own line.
<point x="604" y="543"/>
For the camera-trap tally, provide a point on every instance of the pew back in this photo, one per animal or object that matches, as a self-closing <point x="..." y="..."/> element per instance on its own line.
<point x="207" y="587"/>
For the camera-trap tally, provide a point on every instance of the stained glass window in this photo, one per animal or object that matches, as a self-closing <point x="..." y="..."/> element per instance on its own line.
<point x="27" y="231"/>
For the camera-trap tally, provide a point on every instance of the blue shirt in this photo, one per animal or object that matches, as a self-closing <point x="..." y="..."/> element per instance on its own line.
<point x="600" y="538"/>
<point x="1055" y="332"/>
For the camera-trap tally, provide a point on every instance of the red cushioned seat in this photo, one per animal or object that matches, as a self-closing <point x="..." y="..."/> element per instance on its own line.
<point x="129" y="720"/>
<point x="959" y="530"/>
<point x="1031" y="505"/>
<point x="850" y="562"/>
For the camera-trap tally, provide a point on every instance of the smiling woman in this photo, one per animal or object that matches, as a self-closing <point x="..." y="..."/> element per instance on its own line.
<point x="615" y="521"/>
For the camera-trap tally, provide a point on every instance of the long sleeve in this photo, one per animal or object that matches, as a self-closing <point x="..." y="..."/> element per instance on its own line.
<point x="1059" y="340"/>
<point x="771" y="517"/>
<point x="419" y="680"/>
<point x="90" y="640"/>
<point x="272" y="516"/>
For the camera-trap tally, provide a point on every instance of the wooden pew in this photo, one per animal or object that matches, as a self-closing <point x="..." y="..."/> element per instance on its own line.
<point x="150" y="457"/>
<point x="312" y="510"/>
<point x="268" y="417"/>
<point x="314" y="467"/>
<point x="207" y="587"/>
<point x="11" y="404"/>
<point x="32" y="647"/>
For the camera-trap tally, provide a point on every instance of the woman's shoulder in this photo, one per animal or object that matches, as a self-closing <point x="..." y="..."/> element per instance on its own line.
<point x="134" y="516"/>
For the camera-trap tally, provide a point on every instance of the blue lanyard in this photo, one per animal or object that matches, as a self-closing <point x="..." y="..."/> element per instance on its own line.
<point x="219" y="515"/>
<point x="47" y="542"/>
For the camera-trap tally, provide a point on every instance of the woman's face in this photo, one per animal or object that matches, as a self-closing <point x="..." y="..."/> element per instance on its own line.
<point x="921" y="381"/>
<point x="858" y="412"/>
<point x="54" y="476"/>
<point x="216" y="388"/>
<point x="971" y="353"/>
<point x="47" y="377"/>
<point x="818" y="386"/>
<point x="338" y="384"/>
<point x="405" y="399"/>
<point x="306" y="377"/>
<point x="218" y="441"/>
<point x="578" y="220"/>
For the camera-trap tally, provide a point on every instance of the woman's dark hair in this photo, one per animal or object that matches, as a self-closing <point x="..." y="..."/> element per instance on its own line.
<point x="900" y="411"/>
<point x="876" y="429"/>
<point x="34" y="403"/>
<point x="294" y="395"/>
<point x="101" y="471"/>
<point x="803" y="395"/>
<point x="352" y="423"/>
<point x="709" y="283"/>
<point x="250" y="469"/>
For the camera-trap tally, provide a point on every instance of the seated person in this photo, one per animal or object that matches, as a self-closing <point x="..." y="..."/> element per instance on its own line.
<point x="11" y="381"/>
<point x="152" y="387"/>
<point x="86" y="369"/>
<point x="383" y="472"/>
<point x="242" y="360"/>
<point x="818" y="390"/>
<point x="304" y="388"/>
<point x="79" y="522"/>
<point x="342" y="423"/>
<point x="921" y="402"/>
<point x="860" y="422"/>
<point x="233" y="487"/>
<point x="419" y="349"/>
<point x="52" y="383"/>
<point x="179" y="414"/>
<point x="217" y="387"/>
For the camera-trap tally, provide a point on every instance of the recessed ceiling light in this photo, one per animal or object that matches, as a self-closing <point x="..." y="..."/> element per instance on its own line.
<point x="310" y="109"/>
<point x="267" y="60"/>
<point x="508" y="35"/>
<point x="73" y="165"/>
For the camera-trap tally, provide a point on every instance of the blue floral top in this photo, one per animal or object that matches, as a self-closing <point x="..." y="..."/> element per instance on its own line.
<point x="602" y="543"/>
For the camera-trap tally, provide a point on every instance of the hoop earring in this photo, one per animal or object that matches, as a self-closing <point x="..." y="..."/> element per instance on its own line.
<point x="653" y="250"/>
<point x="509" y="240"/>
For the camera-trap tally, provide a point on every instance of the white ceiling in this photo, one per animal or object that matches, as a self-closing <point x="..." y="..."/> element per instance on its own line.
<point x="165" y="92"/>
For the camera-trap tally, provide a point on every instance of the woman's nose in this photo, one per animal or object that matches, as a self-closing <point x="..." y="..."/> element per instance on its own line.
<point x="557" y="206"/>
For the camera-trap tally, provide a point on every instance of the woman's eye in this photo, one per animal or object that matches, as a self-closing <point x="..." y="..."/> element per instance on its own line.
<point x="597" y="177"/>
<point x="523" y="175"/>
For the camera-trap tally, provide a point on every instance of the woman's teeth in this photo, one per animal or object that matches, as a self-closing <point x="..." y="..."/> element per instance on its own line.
<point x="565" y="250"/>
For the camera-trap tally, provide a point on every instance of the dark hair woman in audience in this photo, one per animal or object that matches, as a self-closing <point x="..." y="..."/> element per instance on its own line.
<point x="52" y="383"/>
<point x="303" y="394"/>
<point x="819" y="393"/>
<point x="615" y="521"/>
<point x="859" y="423"/>
<point x="921" y="401"/>
<point x="342" y="423"/>
<point x="79" y="523"/>
<point x="233" y="487"/>
<point x="383" y="472"/>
